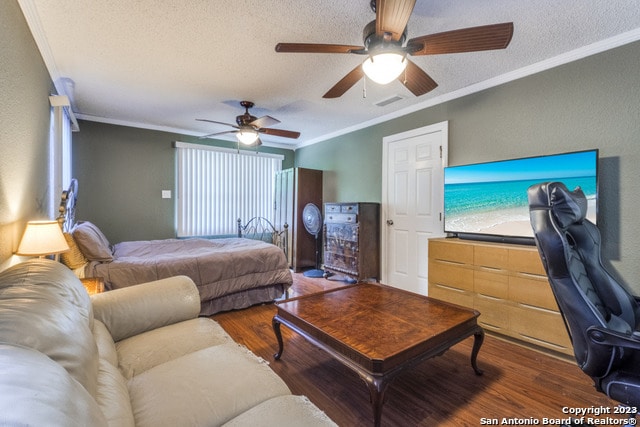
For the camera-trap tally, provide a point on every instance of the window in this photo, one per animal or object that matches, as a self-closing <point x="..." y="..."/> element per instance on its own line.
<point x="59" y="152"/>
<point x="216" y="186"/>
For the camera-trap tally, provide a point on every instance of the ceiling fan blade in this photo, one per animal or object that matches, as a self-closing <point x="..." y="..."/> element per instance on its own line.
<point x="346" y="83"/>
<point x="280" y="132"/>
<point x="264" y="121"/>
<point x="316" y="48"/>
<point x="220" y="123"/>
<point x="486" y="37"/>
<point x="392" y="17"/>
<point x="217" y="133"/>
<point x="416" y="80"/>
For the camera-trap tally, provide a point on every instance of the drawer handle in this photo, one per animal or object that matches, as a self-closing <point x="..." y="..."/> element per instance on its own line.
<point x="490" y="297"/>
<point x="449" y="288"/>
<point x="543" y="342"/>
<point x="491" y="325"/>
<point x="490" y="269"/>
<point x="446" y="261"/>
<point x="532" y="276"/>
<point x="533" y="307"/>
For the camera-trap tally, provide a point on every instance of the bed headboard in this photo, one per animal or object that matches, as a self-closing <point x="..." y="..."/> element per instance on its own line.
<point x="260" y="228"/>
<point x="67" y="209"/>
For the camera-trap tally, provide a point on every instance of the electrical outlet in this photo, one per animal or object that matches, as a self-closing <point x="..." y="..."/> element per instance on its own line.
<point x="166" y="194"/>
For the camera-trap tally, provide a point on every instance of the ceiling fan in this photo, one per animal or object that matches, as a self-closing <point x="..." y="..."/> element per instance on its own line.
<point x="384" y="41"/>
<point x="249" y="127"/>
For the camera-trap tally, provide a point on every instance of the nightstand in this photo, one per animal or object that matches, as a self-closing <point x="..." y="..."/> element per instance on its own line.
<point x="93" y="285"/>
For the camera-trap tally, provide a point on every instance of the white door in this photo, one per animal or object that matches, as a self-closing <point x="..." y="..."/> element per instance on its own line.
<point x="412" y="203"/>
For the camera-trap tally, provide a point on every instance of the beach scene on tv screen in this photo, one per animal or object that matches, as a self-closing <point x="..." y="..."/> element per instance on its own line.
<point x="491" y="198"/>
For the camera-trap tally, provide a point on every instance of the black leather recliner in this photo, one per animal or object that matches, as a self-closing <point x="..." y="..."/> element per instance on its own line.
<point x="602" y="317"/>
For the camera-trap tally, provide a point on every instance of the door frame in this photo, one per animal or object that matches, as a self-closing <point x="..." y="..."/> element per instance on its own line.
<point x="386" y="141"/>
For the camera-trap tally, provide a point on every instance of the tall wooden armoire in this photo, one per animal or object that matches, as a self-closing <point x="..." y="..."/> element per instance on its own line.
<point x="295" y="188"/>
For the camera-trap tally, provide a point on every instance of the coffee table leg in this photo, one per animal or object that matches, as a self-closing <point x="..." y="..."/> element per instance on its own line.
<point x="377" y="389"/>
<point x="276" y="329"/>
<point x="478" y="338"/>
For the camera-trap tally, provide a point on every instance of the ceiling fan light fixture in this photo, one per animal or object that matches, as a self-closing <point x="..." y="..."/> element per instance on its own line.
<point x="384" y="68"/>
<point x="247" y="136"/>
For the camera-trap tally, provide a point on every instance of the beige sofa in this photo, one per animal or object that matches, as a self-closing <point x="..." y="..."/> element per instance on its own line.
<point x="135" y="356"/>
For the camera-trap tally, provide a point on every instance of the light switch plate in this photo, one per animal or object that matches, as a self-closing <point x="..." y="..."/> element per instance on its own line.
<point x="166" y="194"/>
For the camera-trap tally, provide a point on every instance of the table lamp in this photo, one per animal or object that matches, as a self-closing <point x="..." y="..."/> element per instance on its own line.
<point x="42" y="238"/>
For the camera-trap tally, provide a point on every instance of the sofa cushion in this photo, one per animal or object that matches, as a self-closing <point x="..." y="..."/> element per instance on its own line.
<point x="113" y="396"/>
<point x="283" y="411"/>
<point x="207" y="387"/>
<point x="44" y="306"/>
<point x="37" y="391"/>
<point x="144" y="351"/>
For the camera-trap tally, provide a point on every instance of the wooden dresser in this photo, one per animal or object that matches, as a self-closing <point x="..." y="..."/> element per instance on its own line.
<point x="352" y="240"/>
<point x="506" y="283"/>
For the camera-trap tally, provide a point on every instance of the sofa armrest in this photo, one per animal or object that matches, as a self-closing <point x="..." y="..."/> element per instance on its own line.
<point x="130" y="311"/>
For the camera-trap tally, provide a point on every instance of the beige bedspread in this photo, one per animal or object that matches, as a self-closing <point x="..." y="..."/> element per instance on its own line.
<point x="219" y="267"/>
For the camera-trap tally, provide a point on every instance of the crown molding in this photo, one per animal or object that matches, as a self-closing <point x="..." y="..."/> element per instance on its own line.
<point x="169" y="129"/>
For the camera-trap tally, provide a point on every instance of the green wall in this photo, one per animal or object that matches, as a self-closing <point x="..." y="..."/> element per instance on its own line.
<point x="121" y="173"/>
<point x="25" y="86"/>
<point x="591" y="103"/>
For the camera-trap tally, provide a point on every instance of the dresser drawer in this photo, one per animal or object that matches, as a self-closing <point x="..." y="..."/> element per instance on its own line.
<point x="342" y="263"/>
<point x="450" y="251"/>
<point x="451" y="275"/>
<point x="491" y="282"/>
<point x="494" y="312"/>
<point x="342" y="247"/>
<point x="526" y="261"/>
<point x="491" y="256"/>
<point x="452" y="295"/>
<point x="331" y="208"/>
<point x="532" y="290"/>
<point x="341" y="232"/>
<point x="540" y="326"/>
<point x="340" y="218"/>
<point x="349" y="208"/>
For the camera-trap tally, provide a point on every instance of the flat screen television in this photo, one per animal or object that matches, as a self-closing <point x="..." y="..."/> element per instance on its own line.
<point x="488" y="201"/>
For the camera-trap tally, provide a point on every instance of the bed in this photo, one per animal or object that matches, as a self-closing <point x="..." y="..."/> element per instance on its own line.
<point x="231" y="273"/>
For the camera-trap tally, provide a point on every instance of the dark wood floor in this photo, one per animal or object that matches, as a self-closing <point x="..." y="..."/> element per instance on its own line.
<point x="518" y="382"/>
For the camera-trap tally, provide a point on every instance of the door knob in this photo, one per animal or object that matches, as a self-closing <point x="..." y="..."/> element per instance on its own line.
<point x="389" y="222"/>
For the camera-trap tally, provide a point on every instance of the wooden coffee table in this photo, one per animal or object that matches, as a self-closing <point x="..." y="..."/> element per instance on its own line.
<point x="378" y="331"/>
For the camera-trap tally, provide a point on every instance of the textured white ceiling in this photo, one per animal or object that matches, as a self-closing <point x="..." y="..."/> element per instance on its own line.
<point x="160" y="64"/>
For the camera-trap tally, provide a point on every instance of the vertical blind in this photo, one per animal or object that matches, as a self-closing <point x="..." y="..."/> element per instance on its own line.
<point x="216" y="186"/>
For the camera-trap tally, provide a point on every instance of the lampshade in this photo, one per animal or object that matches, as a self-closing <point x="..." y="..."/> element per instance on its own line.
<point x="383" y="68"/>
<point x="42" y="238"/>
<point x="247" y="136"/>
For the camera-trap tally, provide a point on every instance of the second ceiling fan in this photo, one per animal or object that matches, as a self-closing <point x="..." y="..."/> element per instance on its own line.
<point x="249" y="127"/>
<point x="384" y="41"/>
